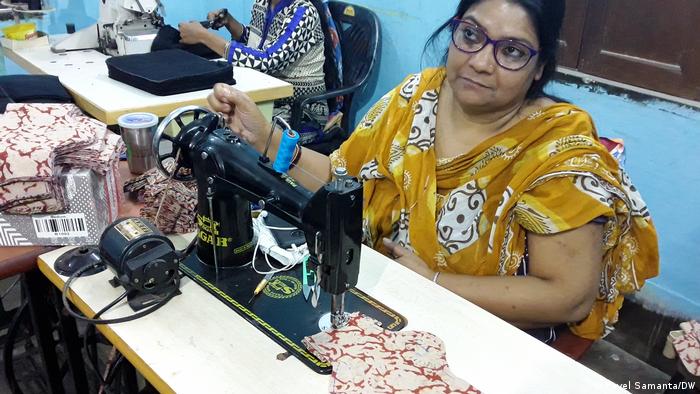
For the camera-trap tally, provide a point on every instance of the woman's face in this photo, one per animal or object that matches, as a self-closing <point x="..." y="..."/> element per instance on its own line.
<point x="479" y="83"/>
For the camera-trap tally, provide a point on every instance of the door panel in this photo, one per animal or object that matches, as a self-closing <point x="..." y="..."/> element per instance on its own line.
<point x="647" y="43"/>
<point x="572" y="33"/>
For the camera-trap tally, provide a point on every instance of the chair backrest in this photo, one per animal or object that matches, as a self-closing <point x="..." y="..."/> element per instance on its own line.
<point x="359" y="32"/>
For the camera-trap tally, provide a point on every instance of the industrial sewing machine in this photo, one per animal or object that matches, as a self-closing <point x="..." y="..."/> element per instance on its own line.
<point x="230" y="174"/>
<point x="124" y="27"/>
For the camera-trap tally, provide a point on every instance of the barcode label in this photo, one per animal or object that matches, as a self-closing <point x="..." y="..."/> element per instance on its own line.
<point x="60" y="226"/>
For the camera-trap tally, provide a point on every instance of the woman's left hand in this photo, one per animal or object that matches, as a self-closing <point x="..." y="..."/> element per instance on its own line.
<point x="407" y="258"/>
<point x="191" y="32"/>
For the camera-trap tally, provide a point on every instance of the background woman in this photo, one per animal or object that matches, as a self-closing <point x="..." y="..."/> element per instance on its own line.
<point x="285" y="38"/>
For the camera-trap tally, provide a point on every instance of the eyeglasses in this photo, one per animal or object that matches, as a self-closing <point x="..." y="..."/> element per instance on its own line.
<point x="512" y="55"/>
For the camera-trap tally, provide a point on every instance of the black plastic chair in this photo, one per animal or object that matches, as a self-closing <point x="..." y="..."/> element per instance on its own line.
<point x="359" y="32"/>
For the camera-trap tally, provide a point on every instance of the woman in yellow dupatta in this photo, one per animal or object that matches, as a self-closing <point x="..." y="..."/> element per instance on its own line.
<point x="502" y="196"/>
<point x="547" y="174"/>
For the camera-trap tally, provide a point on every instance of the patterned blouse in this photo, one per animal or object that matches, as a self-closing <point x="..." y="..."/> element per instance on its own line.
<point x="287" y="43"/>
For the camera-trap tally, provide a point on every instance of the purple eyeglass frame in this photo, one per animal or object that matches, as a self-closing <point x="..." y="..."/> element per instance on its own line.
<point x="457" y="21"/>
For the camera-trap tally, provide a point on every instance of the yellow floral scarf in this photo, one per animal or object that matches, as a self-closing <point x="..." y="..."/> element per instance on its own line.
<point x="545" y="175"/>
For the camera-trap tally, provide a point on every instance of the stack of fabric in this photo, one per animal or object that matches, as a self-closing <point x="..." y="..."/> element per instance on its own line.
<point x="36" y="140"/>
<point x="177" y="201"/>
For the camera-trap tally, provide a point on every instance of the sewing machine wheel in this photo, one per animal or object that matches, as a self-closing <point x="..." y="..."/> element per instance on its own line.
<point x="180" y="119"/>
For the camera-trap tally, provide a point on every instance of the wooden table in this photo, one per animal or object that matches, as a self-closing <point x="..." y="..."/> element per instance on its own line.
<point x="196" y="344"/>
<point x="84" y="74"/>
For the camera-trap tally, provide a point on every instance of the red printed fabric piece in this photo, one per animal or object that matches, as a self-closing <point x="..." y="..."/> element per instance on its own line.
<point x="96" y="156"/>
<point x="688" y="346"/>
<point x="171" y="206"/>
<point x="37" y="137"/>
<point x="369" y="359"/>
<point x="53" y="201"/>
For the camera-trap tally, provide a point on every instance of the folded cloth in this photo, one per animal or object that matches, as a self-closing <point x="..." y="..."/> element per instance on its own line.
<point x="177" y="201"/>
<point x="32" y="89"/>
<point x="169" y="71"/>
<point x="106" y="161"/>
<point x="688" y="346"/>
<point x="96" y="156"/>
<point x="35" y="138"/>
<point x="169" y="37"/>
<point x="369" y="359"/>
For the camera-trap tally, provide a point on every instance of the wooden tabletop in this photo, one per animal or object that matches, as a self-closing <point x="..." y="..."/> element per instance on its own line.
<point x="197" y="344"/>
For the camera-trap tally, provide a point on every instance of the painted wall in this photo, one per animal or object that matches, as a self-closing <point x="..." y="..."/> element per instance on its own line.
<point x="663" y="139"/>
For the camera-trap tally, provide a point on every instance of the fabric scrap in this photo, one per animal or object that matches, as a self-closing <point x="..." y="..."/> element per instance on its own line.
<point x="688" y="346"/>
<point x="368" y="359"/>
<point x="177" y="200"/>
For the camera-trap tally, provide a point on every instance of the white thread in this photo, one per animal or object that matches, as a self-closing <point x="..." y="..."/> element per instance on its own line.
<point x="281" y="228"/>
<point x="268" y="245"/>
<point x="167" y="187"/>
<point x="319" y="180"/>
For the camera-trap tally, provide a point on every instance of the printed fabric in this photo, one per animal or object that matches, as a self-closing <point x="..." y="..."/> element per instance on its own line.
<point x="688" y="346"/>
<point x="545" y="175"/>
<point x="36" y="138"/>
<point x="170" y="205"/>
<point x="369" y="359"/>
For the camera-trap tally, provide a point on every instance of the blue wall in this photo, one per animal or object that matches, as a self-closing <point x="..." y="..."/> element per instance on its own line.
<point x="663" y="139"/>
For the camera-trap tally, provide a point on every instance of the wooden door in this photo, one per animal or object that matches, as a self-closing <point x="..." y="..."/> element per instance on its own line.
<point x="649" y="43"/>
<point x="572" y="32"/>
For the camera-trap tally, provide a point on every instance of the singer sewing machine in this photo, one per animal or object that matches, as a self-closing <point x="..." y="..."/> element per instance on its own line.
<point x="230" y="175"/>
<point x="124" y="27"/>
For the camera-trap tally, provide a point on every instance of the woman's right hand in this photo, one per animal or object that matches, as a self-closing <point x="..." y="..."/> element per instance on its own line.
<point x="242" y="115"/>
<point x="213" y="14"/>
<point x="229" y="21"/>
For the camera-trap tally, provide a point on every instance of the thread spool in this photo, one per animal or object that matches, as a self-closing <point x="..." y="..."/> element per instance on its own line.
<point x="285" y="153"/>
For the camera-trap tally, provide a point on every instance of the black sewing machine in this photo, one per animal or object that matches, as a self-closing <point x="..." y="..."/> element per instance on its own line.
<point x="230" y="175"/>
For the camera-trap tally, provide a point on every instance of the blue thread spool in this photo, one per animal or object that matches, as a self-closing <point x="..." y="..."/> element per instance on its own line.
<point x="285" y="153"/>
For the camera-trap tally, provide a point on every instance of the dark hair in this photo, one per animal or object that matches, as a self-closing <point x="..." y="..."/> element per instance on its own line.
<point x="546" y="15"/>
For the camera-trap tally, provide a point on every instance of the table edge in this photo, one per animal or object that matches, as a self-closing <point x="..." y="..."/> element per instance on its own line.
<point x="138" y="363"/>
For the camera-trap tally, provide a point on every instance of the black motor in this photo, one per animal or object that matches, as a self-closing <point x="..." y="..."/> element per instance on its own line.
<point x="143" y="260"/>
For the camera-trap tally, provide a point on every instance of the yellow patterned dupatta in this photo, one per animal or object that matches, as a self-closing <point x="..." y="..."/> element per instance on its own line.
<point x="470" y="215"/>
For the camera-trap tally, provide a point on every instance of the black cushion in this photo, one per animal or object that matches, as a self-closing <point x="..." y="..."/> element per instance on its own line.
<point x="32" y="89"/>
<point x="169" y="72"/>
